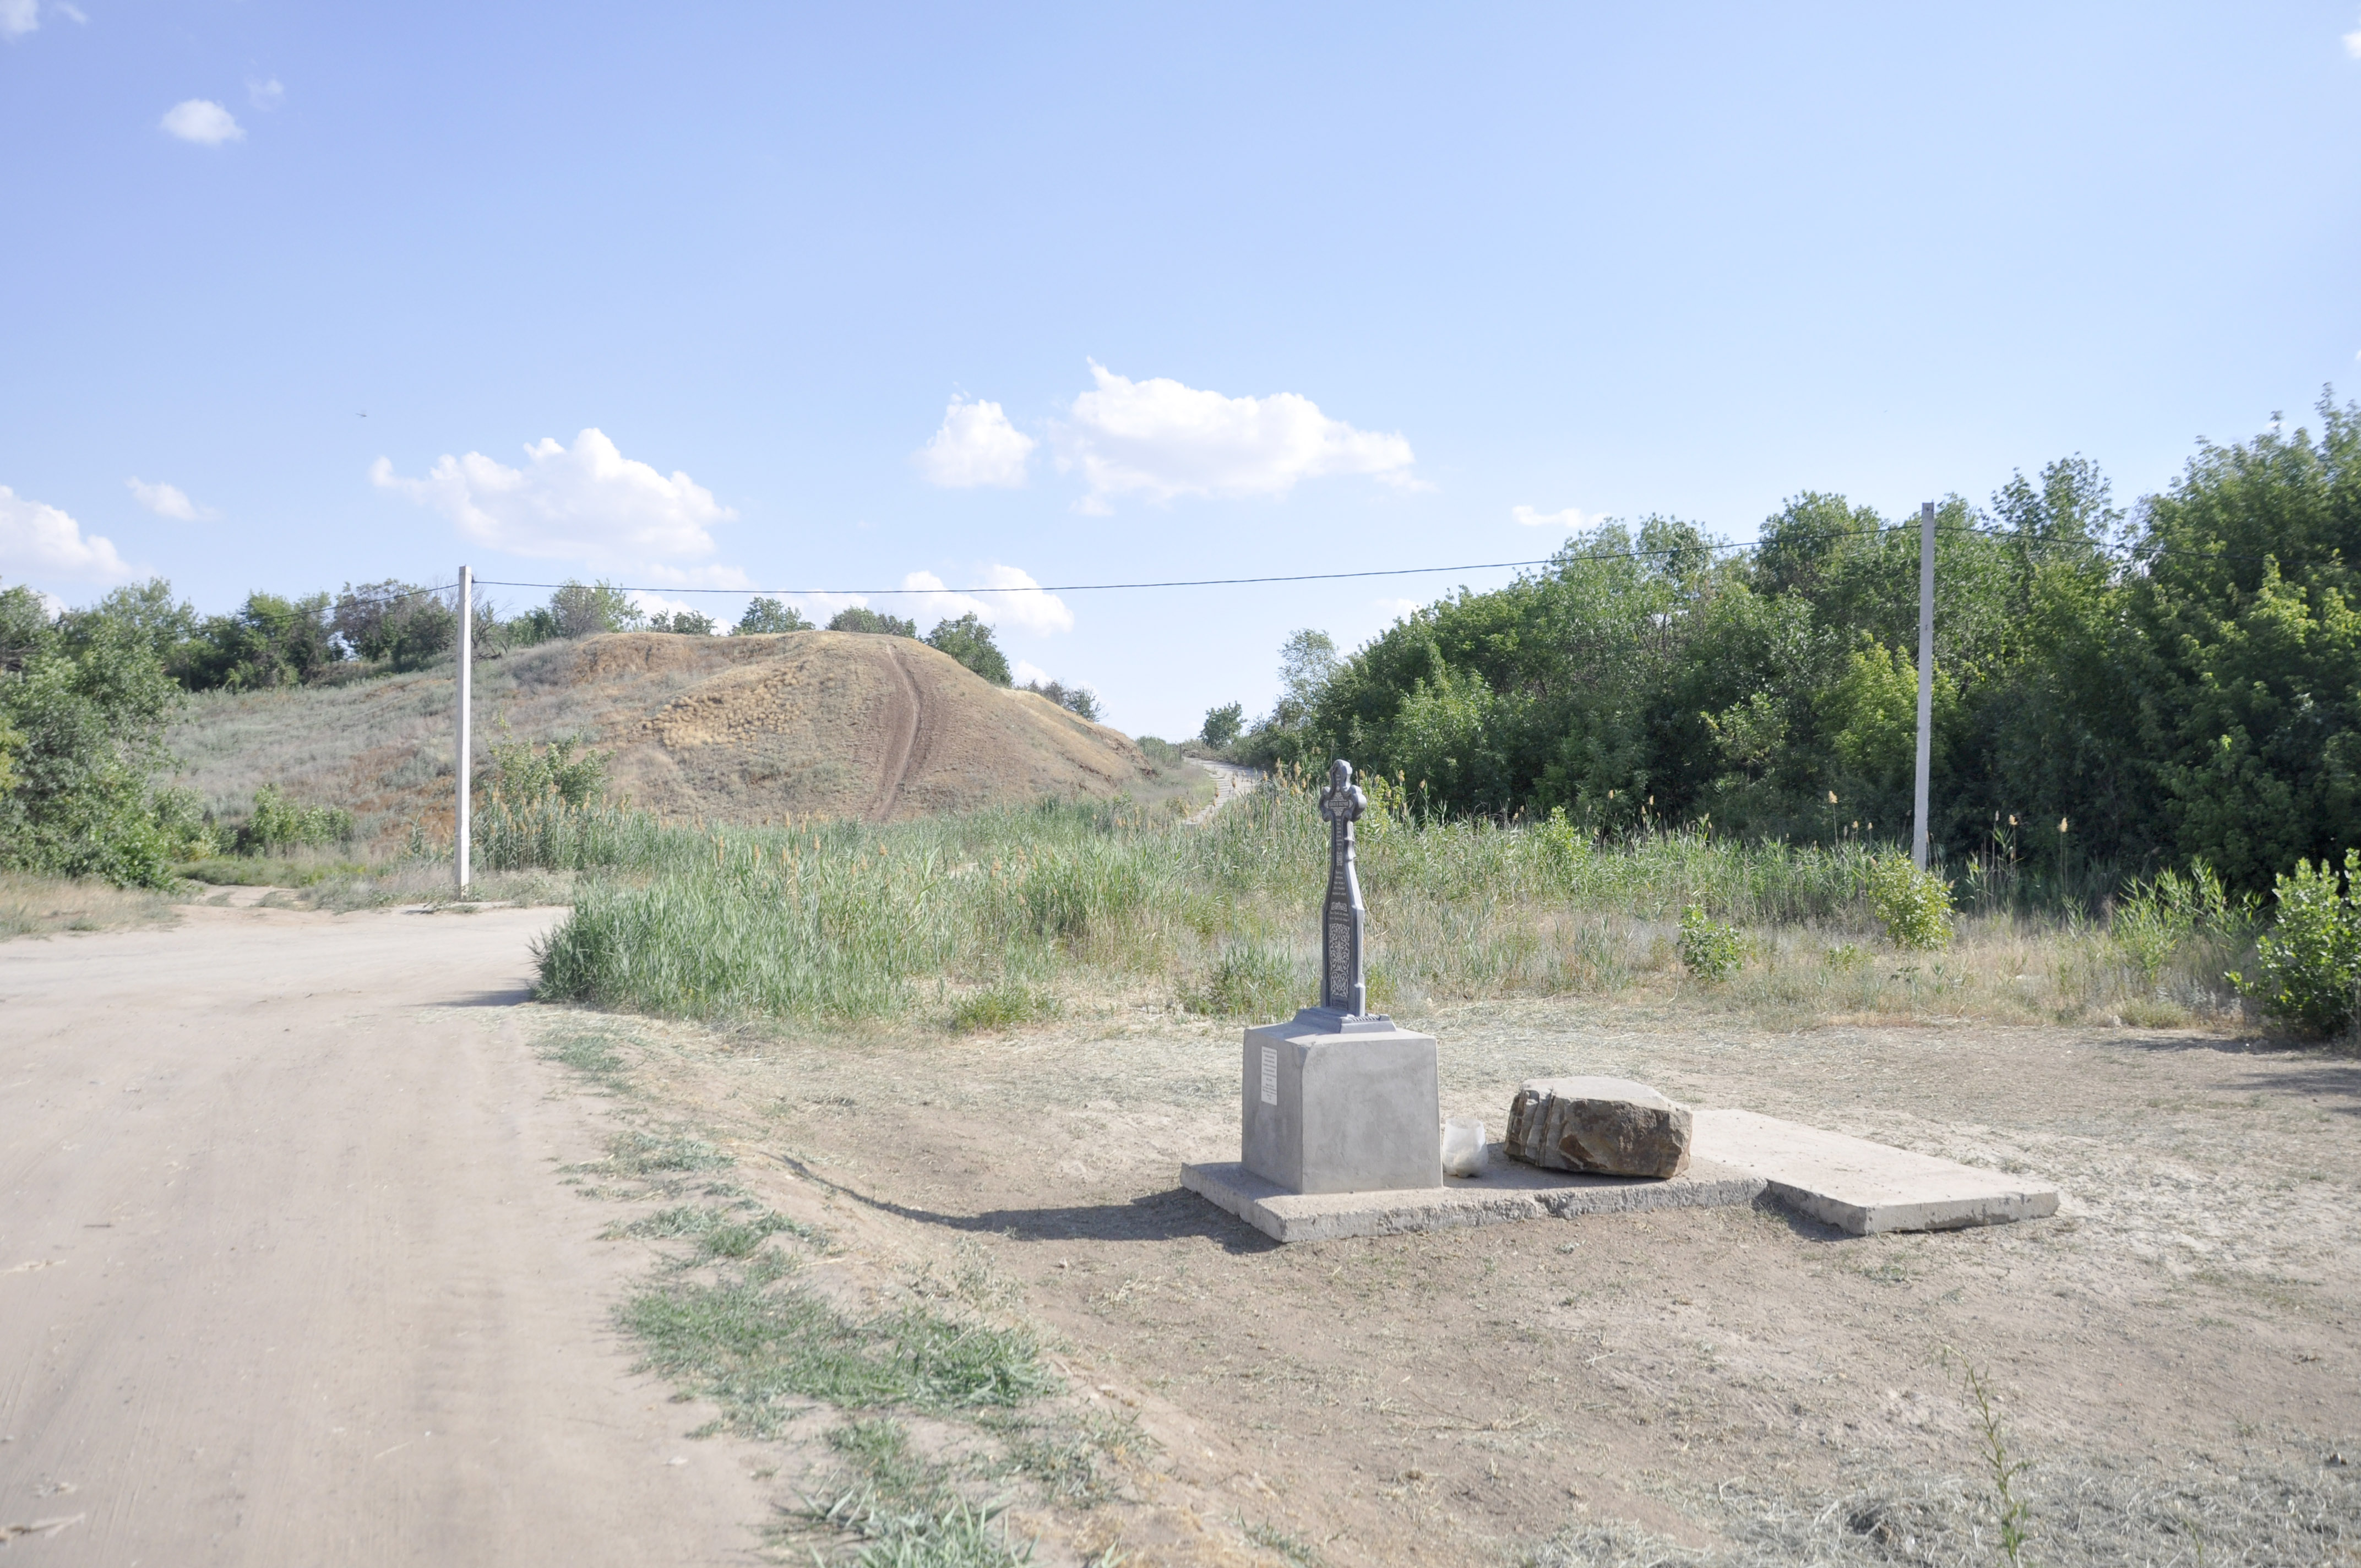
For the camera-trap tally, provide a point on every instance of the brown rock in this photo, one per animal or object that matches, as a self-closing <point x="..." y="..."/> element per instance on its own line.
<point x="1601" y="1126"/>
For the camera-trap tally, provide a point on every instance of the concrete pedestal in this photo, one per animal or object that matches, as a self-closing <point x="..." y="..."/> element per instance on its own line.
<point x="1331" y="1109"/>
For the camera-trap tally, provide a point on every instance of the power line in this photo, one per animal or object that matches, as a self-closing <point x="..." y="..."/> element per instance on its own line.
<point x="1998" y="535"/>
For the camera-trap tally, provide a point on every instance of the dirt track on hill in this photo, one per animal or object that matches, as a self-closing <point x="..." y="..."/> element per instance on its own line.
<point x="287" y="1276"/>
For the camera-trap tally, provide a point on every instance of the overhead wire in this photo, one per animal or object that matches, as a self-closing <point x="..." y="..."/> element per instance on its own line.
<point x="2005" y="535"/>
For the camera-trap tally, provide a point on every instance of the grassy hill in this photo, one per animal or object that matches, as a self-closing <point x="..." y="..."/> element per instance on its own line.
<point x="733" y="729"/>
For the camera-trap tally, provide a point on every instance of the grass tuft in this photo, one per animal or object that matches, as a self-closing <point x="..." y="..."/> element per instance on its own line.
<point x="757" y="1343"/>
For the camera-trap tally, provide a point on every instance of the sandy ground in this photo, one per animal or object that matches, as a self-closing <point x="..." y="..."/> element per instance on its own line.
<point x="287" y="1275"/>
<point x="2187" y="1320"/>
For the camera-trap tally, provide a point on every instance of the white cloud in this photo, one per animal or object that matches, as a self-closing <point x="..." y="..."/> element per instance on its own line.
<point x="976" y="445"/>
<point x="1160" y="439"/>
<point x="1571" y="517"/>
<point x="1027" y="673"/>
<point x="1398" y="610"/>
<point x="2352" y="43"/>
<point x="820" y="608"/>
<point x="655" y="604"/>
<point x="265" y="95"/>
<point x="170" y="500"/>
<point x="70" y="11"/>
<point x="202" y="121"/>
<point x="19" y="18"/>
<point x="1029" y="606"/>
<point x="587" y="502"/>
<point x="36" y="537"/>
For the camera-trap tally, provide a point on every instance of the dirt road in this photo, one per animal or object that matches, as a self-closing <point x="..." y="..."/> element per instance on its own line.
<point x="287" y="1275"/>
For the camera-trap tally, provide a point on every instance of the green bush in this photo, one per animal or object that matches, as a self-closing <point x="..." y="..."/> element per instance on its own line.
<point x="1003" y="1005"/>
<point x="1710" y="952"/>
<point x="278" y="823"/>
<point x="83" y="706"/>
<point x="2308" y="965"/>
<point x="1250" y="980"/>
<point x="861" y="617"/>
<point x="767" y="616"/>
<point x="1914" y="905"/>
<point x="970" y="642"/>
<point x="1222" y="724"/>
<point x="566" y="770"/>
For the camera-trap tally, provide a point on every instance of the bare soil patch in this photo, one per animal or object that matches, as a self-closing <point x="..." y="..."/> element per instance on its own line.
<point x="2175" y="1345"/>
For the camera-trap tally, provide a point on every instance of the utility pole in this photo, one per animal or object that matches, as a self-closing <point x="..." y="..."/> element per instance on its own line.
<point x="1926" y="677"/>
<point x="466" y="739"/>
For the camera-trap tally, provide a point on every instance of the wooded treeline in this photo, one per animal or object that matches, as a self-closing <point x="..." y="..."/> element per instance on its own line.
<point x="2112" y="694"/>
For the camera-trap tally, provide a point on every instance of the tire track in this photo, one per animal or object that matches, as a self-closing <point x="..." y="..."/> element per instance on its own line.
<point x="911" y="740"/>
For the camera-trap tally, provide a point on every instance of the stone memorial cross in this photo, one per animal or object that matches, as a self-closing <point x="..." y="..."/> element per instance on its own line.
<point x="1343" y="978"/>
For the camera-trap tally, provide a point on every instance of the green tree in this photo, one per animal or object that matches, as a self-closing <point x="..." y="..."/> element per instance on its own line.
<point x="970" y="642"/>
<point x="764" y="616"/>
<point x="2247" y="622"/>
<point x="1079" y="701"/>
<point x="400" y="623"/>
<point x="861" y="617"/>
<point x="587" y="609"/>
<point x="88" y="715"/>
<point x="684" y="623"/>
<point x="268" y="642"/>
<point x="1222" y="724"/>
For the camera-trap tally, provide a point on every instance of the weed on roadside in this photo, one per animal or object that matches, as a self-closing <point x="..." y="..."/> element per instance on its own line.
<point x="761" y="1345"/>
<point x="592" y="1054"/>
<point x="1002" y="1006"/>
<point x="636" y="1153"/>
<point x="1073" y="1460"/>
<point x="735" y="1233"/>
<point x="896" y="1510"/>
<point x="1299" y="1553"/>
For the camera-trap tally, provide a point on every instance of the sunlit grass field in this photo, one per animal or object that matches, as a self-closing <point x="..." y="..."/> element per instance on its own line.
<point x="995" y="919"/>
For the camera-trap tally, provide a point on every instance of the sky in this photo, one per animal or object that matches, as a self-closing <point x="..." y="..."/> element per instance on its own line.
<point x="839" y="300"/>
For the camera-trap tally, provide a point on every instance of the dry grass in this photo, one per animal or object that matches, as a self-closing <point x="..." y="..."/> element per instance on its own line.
<point x="37" y="905"/>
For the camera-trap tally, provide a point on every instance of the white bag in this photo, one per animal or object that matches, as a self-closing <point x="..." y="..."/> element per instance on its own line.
<point x="1463" y="1146"/>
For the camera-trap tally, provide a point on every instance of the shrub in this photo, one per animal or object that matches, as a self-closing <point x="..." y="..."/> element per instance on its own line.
<point x="1914" y="905"/>
<point x="81" y="720"/>
<point x="1081" y="701"/>
<point x="1250" y="979"/>
<point x="1222" y="724"/>
<point x="1001" y="1006"/>
<point x="1710" y="952"/>
<point x="767" y="616"/>
<point x="278" y="823"/>
<point x="2308" y="965"/>
<point x="970" y="640"/>
<point x="861" y="617"/>
<point x="563" y="769"/>
<point x="399" y="623"/>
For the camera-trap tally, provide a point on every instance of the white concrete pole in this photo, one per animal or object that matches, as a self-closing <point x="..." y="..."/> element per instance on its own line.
<point x="466" y="739"/>
<point x="1925" y="678"/>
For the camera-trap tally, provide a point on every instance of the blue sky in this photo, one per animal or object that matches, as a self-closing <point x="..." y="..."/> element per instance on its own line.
<point x="846" y="295"/>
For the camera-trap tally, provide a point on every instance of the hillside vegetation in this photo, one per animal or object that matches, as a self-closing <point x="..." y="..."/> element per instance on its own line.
<point x="729" y="729"/>
<point x="2113" y="694"/>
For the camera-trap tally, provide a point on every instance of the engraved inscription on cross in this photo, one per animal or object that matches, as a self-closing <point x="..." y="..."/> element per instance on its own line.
<point x="1344" y="979"/>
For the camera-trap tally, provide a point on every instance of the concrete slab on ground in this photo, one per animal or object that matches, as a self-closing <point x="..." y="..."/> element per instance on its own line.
<point x="1862" y="1186"/>
<point x="1737" y="1159"/>
<point x="1507" y="1191"/>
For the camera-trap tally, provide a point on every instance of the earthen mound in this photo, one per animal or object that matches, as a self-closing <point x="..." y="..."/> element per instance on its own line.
<point x="832" y="724"/>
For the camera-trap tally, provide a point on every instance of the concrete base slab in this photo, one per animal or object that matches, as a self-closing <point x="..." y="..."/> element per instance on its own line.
<point x="1506" y="1193"/>
<point x="1861" y="1186"/>
<point x="1738" y="1158"/>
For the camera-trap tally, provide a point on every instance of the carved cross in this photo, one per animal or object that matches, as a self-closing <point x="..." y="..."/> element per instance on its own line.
<point x="1343" y="978"/>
